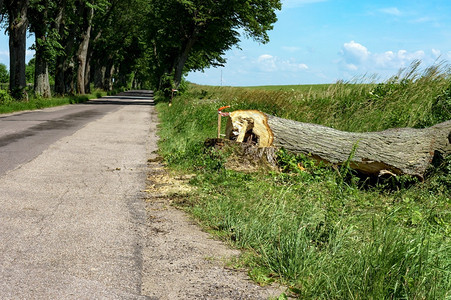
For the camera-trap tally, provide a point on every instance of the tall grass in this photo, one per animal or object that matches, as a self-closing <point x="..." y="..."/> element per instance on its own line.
<point x="323" y="235"/>
<point x="409" y="99"/>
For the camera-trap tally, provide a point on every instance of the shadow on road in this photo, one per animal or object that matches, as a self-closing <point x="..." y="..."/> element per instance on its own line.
<point x="133" y="97"/>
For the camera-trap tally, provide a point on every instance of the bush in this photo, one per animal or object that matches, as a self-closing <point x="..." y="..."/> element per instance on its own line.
<point x="5" y="98"/>
<point x="4" y="74"/>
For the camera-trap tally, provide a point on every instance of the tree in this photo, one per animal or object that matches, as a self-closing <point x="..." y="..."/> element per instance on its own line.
<point x="395" y="151"/>
<point x="86" y="10"/>
<point x="194" y="34"/>
<point x="118" y="43"/>
<point x="17" y="13"/>
<point x="42" y="16"/>
<point x="4" y="74"/>
<point x="30" y="70"/>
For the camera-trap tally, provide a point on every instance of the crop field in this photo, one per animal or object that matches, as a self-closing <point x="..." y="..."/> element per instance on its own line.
<point x="322" y="233"/>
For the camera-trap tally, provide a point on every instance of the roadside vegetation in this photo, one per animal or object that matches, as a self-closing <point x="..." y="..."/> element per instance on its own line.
<point x="8" y="104"/>
<point x="325" y="233"/>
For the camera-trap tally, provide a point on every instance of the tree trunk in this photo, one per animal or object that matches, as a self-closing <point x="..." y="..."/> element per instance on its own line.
<point x="394" y="151"/>
<point x="59" y="75"/>
<point x="87" y="82"/>
<point x="83" y="50"/>
<point x="183" y="57"/>
<point x="99" y="75"/>
<point x="41" y="73"/>
<point x="64" y="63"/>
<point x="108" y="78"/>
<point x="17" y="29"/>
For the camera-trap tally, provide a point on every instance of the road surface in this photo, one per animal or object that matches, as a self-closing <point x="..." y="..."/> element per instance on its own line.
<point x="71" y="213"/>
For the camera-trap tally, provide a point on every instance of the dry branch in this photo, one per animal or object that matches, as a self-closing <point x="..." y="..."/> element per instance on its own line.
<point x="397" y="151"/>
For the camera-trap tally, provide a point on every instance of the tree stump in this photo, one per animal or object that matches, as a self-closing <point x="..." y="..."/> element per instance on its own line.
<point x="394" y="151"/>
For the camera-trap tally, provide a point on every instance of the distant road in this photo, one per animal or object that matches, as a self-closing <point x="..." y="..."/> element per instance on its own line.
<point x="24" y="135"/>
<point x="72" y="215"/>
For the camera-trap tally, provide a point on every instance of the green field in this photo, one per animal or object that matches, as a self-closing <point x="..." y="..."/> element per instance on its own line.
<point x="324" y="234"/>
<point x="298" y="88"/>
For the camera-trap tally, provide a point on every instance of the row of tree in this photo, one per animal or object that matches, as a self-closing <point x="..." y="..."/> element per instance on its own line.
<point x="151" y="43"/>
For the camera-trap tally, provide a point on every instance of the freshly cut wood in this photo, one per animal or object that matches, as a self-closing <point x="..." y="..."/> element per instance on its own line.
<point x="393" y="151"/>
<point x="245" y="157"/>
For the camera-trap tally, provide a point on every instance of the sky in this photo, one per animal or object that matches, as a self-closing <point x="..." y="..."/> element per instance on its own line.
<point x="322" y="41"/>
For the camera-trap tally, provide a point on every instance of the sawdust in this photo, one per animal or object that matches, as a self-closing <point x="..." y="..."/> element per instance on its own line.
<point x="180" y="261"/>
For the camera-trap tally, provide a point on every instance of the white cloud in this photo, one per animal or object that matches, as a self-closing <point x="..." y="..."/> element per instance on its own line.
<point x="265" y="57"/>
<point x="297" y="3"/>
<point x="391" y="11"/>
<point x="29" y="53"/>
<point x="354" y="53"/>
<point x="400" y="59"/>
<point x="269" y="63"/>
<point x="351" y="67"/>
<point x="356" y="57"/>
<point x="436" y="53"/>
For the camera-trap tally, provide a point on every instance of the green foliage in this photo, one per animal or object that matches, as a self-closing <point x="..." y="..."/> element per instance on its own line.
<point x="322" y="231"/>
<point x="5" y="98"/>
<point x="188" y="35"/>
<point x="440" y="109"/>
<point x="29" y="70"/>
<point x="4" y="74"/>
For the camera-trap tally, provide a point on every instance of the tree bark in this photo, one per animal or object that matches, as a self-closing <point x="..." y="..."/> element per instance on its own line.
<point x="87" y="82"/>
<point x="64" y="61"/>
<point x="393" y="151"/>
<point x="41" y="73"/>
<point x="17" y="29"/>
<point x="108" y="77"/>
<point x="83" y="49"/>
<point x="183" y="57"/>
<point x="99" y="75"/>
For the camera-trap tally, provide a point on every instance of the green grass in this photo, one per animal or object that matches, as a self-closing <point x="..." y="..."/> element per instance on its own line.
<point x="411" y="99"/>
<point x="298" y="88"/>
<point x="324" y="234"/>
<point x="8" y="105"/>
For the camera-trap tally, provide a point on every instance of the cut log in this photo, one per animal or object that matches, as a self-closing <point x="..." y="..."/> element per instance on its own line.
<point x="394" y="151"/>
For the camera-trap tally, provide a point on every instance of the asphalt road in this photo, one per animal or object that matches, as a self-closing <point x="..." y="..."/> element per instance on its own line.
<point x="71" y="214"/>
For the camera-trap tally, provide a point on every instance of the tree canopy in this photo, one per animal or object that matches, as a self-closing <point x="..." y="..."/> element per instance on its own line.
<point x="144" y="43"/>
<point x="4" y="74"/>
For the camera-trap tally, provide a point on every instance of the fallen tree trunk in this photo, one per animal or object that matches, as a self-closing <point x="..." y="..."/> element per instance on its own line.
<point x="394" y="151"/>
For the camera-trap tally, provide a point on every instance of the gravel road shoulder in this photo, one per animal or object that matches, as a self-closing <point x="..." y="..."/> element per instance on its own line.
<point x="180" y="261"/>
<point x="183" y="262"/>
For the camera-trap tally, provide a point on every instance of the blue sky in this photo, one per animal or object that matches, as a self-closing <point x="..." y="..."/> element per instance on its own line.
<point x="322" y="41"/>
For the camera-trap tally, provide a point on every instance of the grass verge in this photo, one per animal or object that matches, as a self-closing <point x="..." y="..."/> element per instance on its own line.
<point x="324" y="234"/>
<point x="8" y="105"/>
